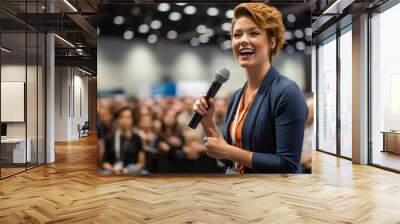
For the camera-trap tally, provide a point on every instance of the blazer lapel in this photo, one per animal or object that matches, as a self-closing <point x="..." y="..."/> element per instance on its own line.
<point x="248" y="125"/>
<point x="236" y="101"/>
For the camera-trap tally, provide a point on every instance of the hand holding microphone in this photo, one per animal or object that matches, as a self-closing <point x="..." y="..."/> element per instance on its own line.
<point x="203" y="107"/>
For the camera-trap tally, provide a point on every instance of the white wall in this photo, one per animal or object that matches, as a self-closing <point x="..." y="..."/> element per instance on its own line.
<point x="71" y="93"/>
<point x="10" y="73"/>
<point x="128" y="65"/>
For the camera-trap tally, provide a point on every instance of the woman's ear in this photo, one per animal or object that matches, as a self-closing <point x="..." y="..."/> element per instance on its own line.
<point x="272" y="42"/>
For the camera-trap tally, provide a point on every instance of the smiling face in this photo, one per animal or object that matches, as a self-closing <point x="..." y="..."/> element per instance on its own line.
<point x="250" y="44"/>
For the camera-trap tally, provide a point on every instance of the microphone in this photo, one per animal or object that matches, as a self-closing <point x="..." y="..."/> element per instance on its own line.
<point x="221" y="76"/>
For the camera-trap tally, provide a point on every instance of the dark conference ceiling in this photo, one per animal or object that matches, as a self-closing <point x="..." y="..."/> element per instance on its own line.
<point x="193" y="24"/>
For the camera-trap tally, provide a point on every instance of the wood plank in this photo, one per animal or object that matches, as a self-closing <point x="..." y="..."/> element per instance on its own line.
<point x="70" y="191"/>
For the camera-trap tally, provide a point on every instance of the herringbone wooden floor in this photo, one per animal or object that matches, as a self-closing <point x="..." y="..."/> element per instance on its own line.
<point x="70" y="191"/>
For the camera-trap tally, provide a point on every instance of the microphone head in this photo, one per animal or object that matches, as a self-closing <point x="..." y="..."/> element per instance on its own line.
<point x="222" y="75"/>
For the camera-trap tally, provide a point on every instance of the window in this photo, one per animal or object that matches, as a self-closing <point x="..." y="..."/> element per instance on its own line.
<point x="327" y="96"/>
<point x="346" y="93"/>
<point x="22" y="75"/>
<point x="385" y="89"/>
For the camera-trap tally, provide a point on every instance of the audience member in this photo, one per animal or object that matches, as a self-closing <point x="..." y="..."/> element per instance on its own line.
<point x="104" y="127"/>
<point x="170" y="142"/>
<point x="123" y="148"/>
<point x="148" y="135"/>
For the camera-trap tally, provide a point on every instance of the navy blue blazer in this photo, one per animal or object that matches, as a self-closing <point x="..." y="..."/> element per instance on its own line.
<point x="274" y="126"/>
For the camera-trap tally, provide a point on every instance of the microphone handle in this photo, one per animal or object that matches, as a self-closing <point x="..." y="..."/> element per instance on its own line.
<point x="212" y="91"/>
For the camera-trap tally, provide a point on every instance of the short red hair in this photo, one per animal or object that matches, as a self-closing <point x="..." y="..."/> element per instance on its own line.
<point x="266" y="17"/>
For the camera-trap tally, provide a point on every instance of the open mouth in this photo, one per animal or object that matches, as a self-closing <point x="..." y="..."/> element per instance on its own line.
<point x="246" y="52"/>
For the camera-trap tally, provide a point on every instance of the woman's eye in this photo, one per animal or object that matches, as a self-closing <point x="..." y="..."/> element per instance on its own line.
<point x="236" y="35"/>
<point x="254" y="33"/>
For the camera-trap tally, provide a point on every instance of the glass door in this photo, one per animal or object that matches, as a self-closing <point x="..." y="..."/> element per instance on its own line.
<point x="385" y="89"/>
<point x="326" y="91"/>
<point x="14" y="153"/>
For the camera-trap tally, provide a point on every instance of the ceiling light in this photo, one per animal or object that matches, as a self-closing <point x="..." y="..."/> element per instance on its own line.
<point x="298" y="34"/>
<point x="288" y="35"/>
<point x="119" y="20"/>
<point x="308" y="31"/>
<point x="212" y="11"/>
<point x="209" y="32"/>
<point x="84" y="71"/>
<point x="338" y="6"/>
<point x="152" y="38"/>
<point x="5" y="50"/>
<point x="300" y="46"/>
<point x="181" y="4"/>
<point x="172" y="34"/>
<point x="70" y="5"/>
<point x="226" y="27"/>
<point x="175" y="16"/>
<point x="291" y="18"/>
<point x="201" y="28"/>
<point x="128" y="35"/>
<point x="64" y="40"/>
<point x="203" y="38"/>
<point x="194" y="42"/>
<point x="229" y="14"/>
<point x="189" y="10"/>
<point x="144" y="28"/>
<point x="155" y="24"/>
<point x="226" y="45"/>
<point x="163" y="7"/>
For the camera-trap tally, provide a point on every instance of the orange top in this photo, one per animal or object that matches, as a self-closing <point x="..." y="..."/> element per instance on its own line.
<point x="237" y="123"/>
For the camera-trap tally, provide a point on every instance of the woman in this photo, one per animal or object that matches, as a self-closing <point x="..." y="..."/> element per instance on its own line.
<point x="123" y="148"/>
<point x="170" y="141"/>
<point x="104" y="128"/>
<point x="265" y="118"/>
<point x="148" y="135"/>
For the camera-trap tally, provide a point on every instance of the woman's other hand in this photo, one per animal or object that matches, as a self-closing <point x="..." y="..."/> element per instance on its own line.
<point x="216" y="146"/>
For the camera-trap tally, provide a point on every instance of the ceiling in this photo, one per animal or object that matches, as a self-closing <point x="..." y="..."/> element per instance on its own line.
<point x="79" y="22"/>
<point x="208" y="25"/>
